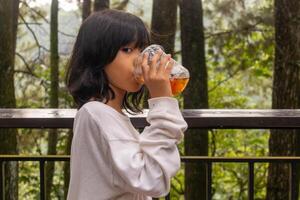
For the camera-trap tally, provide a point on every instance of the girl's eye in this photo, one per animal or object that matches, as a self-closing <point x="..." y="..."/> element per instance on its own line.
<point x="127" y="50"/>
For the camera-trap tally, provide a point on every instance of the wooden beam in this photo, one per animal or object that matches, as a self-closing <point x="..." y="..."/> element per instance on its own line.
<point x="196" y="118"/>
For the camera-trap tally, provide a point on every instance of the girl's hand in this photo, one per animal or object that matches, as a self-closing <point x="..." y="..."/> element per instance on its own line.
<point x="156" y="76"/>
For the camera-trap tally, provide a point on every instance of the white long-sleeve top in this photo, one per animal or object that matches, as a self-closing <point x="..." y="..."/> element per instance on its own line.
<point x="111" y="160"/>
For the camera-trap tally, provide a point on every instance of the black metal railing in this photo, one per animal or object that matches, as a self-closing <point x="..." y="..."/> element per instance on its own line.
<point x="41" y="159"/>
<point x="202" y="119"/>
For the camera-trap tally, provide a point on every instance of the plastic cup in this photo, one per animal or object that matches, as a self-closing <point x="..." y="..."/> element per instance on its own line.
<point x="179" y="75"/>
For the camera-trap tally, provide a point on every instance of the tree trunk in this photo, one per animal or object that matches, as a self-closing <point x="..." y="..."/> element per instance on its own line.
<point x="54" y="62"/>
<point x="163" y="24"/>
<point x="100" y="5"/>
<point x="15" y="18"/>
<point x="86" y="9"/>
<point x="9" y="11"/>
<point x="196" y="93"/>
<point x="286" y="91"/>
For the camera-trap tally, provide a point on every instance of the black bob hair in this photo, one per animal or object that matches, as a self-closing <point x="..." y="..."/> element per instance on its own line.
<point x="99" y="39"/>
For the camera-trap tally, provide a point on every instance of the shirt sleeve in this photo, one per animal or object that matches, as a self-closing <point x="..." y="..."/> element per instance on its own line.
<point x="147" y="164"/>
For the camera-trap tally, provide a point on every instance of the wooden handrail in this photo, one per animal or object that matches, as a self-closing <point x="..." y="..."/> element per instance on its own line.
<point x="196" y="118"/>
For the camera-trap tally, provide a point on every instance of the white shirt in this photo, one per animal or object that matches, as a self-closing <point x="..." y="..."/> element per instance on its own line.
<point x="111" y="160"/>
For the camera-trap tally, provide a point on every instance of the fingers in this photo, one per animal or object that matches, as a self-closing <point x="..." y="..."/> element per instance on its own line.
<point x="145" y="66"/>
<point x="156" y="66"/>
<point x="169" y="66"/>
<point x="163" y="63"/>
<point x="154" y="61"/>
<point x="139" y="60"/>
<point x="138" y="63"/>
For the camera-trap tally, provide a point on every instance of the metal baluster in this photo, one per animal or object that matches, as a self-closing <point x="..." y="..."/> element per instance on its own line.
<point x="2" y="179"/>
<point x="208" y="180"/>
<point x="168" y="197"/>
<point x="250" y="180"/>
<point x="42" y="179"/>
<point x="293" y="180"/>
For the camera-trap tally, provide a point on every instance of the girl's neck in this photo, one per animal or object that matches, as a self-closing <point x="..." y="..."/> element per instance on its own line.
<point x="116" y="103"/>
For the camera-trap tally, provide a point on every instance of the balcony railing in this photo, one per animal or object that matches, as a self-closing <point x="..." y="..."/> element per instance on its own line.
<point x="201" y="119"/>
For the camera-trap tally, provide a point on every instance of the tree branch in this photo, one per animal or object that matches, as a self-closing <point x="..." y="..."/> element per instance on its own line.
<point x="66" y="34"/>
<point x="26" y="72"/>
<point x="36" y="12"/>
<point x="43" y="82"/>
<point x="26" y="64"/>
<point x="45" y="19"/>
<point x="224" y="80"/>
<point x="36" y="40"/>
<point x="31" y="23"/>
<point x="248" y="28"/>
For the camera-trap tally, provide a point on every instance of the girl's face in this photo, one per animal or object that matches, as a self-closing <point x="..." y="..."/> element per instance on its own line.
<point x="120" y="70"/>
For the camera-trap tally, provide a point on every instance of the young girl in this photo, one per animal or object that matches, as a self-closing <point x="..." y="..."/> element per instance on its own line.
<point x="110" y="159"/>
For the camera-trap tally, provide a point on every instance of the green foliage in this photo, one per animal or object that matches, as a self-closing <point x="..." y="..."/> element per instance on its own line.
<point x="234" y="177"/>
<point x="29" y="180"/>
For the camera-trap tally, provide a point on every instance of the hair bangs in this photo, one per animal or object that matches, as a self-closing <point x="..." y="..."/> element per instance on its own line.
<point x="132" y="31"/>
<point x="142" y="39"/>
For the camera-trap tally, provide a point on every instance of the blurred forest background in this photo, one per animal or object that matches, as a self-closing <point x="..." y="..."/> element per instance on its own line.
<point x="242" y="54"/>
